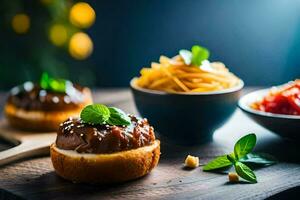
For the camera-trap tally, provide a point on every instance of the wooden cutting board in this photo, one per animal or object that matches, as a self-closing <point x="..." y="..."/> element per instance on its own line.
<point x="28" y="144"/>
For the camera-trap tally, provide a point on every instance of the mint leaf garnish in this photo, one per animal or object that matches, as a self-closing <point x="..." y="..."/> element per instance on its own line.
<point x="118" y="117"/>
<point x="219" y="162"/>
<point x="245" y="172"/>
<point x="244" y="145"/>
<point x="199" y="54"/>
<point x="196" y="56"/>
<point x="44" y="80"/>
<point x="52" y="84"/>
<point x="101" y="114"/>
<point x="240" y="157"/>
<point x="95" y="114"/>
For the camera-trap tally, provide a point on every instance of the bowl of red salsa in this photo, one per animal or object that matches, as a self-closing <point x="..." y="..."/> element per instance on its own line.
<point x="276" y="108"/>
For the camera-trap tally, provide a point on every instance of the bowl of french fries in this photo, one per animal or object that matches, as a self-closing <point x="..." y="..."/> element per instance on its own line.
<point x="186" y="103"/>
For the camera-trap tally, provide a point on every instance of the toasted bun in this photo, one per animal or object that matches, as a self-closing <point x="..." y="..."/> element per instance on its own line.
<point x="39" y="120"/>
<point x="105" y="168"/>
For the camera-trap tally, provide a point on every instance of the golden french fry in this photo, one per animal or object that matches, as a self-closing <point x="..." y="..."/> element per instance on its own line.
<point x="173" y="75"/>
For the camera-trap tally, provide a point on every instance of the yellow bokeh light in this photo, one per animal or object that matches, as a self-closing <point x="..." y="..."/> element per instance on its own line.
<point x="58" y="34"/>
<point x="82" y="15"/>
<point x="80" y="46"/>
<point x="20" y="23"/>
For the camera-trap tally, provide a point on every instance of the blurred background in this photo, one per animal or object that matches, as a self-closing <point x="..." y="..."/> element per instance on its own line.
<point x="105" y="43"/>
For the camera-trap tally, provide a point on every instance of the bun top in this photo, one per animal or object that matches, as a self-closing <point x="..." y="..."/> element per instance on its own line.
<point x="73" y="134"/>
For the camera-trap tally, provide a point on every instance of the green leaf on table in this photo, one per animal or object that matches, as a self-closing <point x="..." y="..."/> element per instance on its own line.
<point x="118" y="117"/>
<point x="240" y="157"/>
<point x="244" y="146"/>
<point x="217" y="163"/>
<point x="260" y="159"/>
<point x="95" y="114"/>
<point x="245" y="172"/>
<point x="231" y="158"/>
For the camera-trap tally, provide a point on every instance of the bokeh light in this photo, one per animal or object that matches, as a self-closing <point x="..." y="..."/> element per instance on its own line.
<point x="21" y="23"/>
<point x="82" y="15"/>
<point x="80" y="46"/>
<point x="58" y="34"/>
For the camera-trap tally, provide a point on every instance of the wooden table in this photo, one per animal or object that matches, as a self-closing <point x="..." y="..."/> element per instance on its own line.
<point x="35" y="178"/>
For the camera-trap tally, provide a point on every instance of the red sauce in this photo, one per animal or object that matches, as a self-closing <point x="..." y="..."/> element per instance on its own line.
<point x="282" y="101"/>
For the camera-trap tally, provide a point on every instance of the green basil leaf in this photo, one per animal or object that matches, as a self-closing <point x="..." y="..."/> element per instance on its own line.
<point x="199" y="54"/>
<point x="95" y="114"/>
<point x="244" y="145"/>
<point x="261" y="159"/>
<point x="217" y="163"/>
<point x="231" y="158"/>
<point x="186" y="55"/>
<point x="118" y="117"/>
<point x="245" y="172"/>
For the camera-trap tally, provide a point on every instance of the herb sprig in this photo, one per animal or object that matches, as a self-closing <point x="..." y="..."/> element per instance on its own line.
<point x="53" y="84"/>
<point x="101" y="114"/>
<point x="240" y="157"/>
<point x="196" y="56"/>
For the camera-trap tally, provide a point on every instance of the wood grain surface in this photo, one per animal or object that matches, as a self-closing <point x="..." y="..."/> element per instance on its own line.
<point x="35" y="178"/>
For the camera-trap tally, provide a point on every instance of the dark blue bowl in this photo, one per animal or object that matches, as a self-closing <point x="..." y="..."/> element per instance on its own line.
<point x="287" y="126"/>
<point x="186" y="118"/>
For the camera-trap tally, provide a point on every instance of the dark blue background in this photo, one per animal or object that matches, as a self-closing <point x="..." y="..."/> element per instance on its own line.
<point x="258" y="39"/>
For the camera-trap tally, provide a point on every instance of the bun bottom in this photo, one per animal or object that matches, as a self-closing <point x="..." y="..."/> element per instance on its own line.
<point x="105" y="168"/>
<point x="38" y="120"/>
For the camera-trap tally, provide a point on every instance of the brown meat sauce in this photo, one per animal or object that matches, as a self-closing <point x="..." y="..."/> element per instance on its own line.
<point x="73" y="134"/>
<point x="31" y="96"/>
